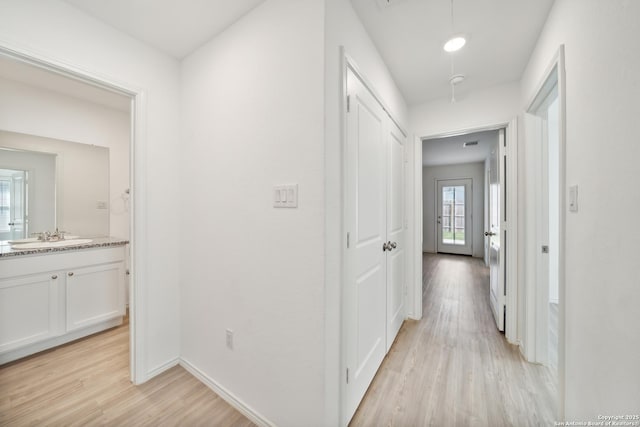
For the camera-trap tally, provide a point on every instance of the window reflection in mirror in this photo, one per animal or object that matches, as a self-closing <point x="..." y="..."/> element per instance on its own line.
<point x="13" y="204"/>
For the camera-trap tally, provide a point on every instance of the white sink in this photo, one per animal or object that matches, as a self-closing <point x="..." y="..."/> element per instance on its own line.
<point x="46" y="245"/>
<point x="35" y="239"/>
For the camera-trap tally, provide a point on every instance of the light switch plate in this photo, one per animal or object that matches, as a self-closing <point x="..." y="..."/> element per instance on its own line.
<point x="573" y="198"/>
<point x="285" y="196"/>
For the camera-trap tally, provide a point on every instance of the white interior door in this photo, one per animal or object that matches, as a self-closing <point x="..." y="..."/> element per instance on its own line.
<point x="454" y="225"/>
<point x="395" y="233"/>
<point x="496" y="288"/>
<point x="364" y="312"/>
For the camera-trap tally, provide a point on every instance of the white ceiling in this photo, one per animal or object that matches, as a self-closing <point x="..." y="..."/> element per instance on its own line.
<point x="410" y="34"/>
<point x="177" y="27"/>
<point x="450" y="151"/>
<point x="13" y="69"/>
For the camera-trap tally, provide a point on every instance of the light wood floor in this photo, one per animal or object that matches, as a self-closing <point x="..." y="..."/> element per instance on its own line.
<point x="453" y="367"/>
<point x="86" y="383"/>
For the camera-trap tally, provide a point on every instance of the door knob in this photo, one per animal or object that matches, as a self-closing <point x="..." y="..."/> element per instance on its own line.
<point x="385" y="247"/>
<point x="393" y="245"/>
<point x="489" y="233"/>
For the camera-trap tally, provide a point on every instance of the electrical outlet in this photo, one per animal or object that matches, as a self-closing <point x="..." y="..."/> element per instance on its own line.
<point x="573" y="198"/>
<point x="229" y="339"/>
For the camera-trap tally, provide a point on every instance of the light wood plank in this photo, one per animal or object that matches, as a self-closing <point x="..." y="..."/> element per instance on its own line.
<point x="453" y="367"/>
<point x="86" y="383"/>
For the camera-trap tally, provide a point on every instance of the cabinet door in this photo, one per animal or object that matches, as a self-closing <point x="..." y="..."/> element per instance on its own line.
<point x="28" y="309"/>
<point x="94" y="294"/>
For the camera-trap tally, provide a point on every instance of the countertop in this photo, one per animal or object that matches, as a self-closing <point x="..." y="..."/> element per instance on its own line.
<point x="97" y="242"/>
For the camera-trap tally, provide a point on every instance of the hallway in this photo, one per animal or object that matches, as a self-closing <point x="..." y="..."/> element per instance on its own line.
<point x="453" y="367"/>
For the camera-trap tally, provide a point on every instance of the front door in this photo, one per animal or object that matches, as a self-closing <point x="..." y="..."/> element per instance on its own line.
<point x="454" y="230"/>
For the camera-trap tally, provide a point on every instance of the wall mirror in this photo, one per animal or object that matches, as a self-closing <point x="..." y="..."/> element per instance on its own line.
<point x="47" y="183"/>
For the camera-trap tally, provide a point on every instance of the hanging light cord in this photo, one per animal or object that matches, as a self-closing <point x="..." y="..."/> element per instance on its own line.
<point x="453" y="86"/>
<point x="452" y="26"/>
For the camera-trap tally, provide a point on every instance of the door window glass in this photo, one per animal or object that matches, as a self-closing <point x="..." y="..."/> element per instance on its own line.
<point x="453" y="215"/>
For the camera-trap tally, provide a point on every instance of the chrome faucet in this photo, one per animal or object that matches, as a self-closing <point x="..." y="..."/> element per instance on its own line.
<point x="48" y="236"/>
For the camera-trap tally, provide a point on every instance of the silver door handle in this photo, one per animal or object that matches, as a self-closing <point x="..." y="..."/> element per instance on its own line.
<point x="393" y="245"/>
<point x="489" y="233"/>
<point x="385" y="247"/>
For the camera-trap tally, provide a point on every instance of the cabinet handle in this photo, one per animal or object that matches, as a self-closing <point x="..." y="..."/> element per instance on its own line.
<point x="70" y="273"/>
<point x="54" y="277"/>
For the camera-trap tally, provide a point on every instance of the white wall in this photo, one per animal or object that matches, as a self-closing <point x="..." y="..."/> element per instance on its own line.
<point x="430" y="174"/>
<point x="602" y="291"/>
<point x="343" y="28"/>
<point x="252" y="108"/>
<point x="59" y="32"/>
<point x="487" y="107"/>
<point x="40" y="112"/>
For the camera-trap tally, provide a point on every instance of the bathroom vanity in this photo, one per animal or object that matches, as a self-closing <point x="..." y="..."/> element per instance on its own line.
<point x="52" y="296"/>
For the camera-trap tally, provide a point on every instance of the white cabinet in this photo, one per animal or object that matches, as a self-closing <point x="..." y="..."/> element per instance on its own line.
<point x="28" y="309"/>
<point x="94" y="294"/>
<point x="53" y="298"/>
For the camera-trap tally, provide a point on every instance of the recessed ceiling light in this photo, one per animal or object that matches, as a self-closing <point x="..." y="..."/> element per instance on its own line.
<point x="454" y="43"/>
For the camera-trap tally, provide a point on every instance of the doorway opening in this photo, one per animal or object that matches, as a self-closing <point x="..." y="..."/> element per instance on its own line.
<point x="47" y="84"/>
<point x="467" y="210"/>
<point x="545" y="176"/>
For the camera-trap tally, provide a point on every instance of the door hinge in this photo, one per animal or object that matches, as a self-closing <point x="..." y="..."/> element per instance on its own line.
<point x="348" y="240"/>
<point x="348" y="103"/>
<point x="347" y="375"/>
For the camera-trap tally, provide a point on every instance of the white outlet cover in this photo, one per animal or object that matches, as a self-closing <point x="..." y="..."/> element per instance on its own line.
<point x="573" y="198"/>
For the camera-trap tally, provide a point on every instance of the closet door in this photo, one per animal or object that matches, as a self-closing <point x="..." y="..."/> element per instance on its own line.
<point x="395" y="231"/>
<point x="364" y="312"/>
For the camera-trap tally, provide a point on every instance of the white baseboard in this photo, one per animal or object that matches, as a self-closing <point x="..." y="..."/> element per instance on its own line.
<point x="226" y="395"/>
<point x="27" y="350"/>
<point x="160" y="369"/>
